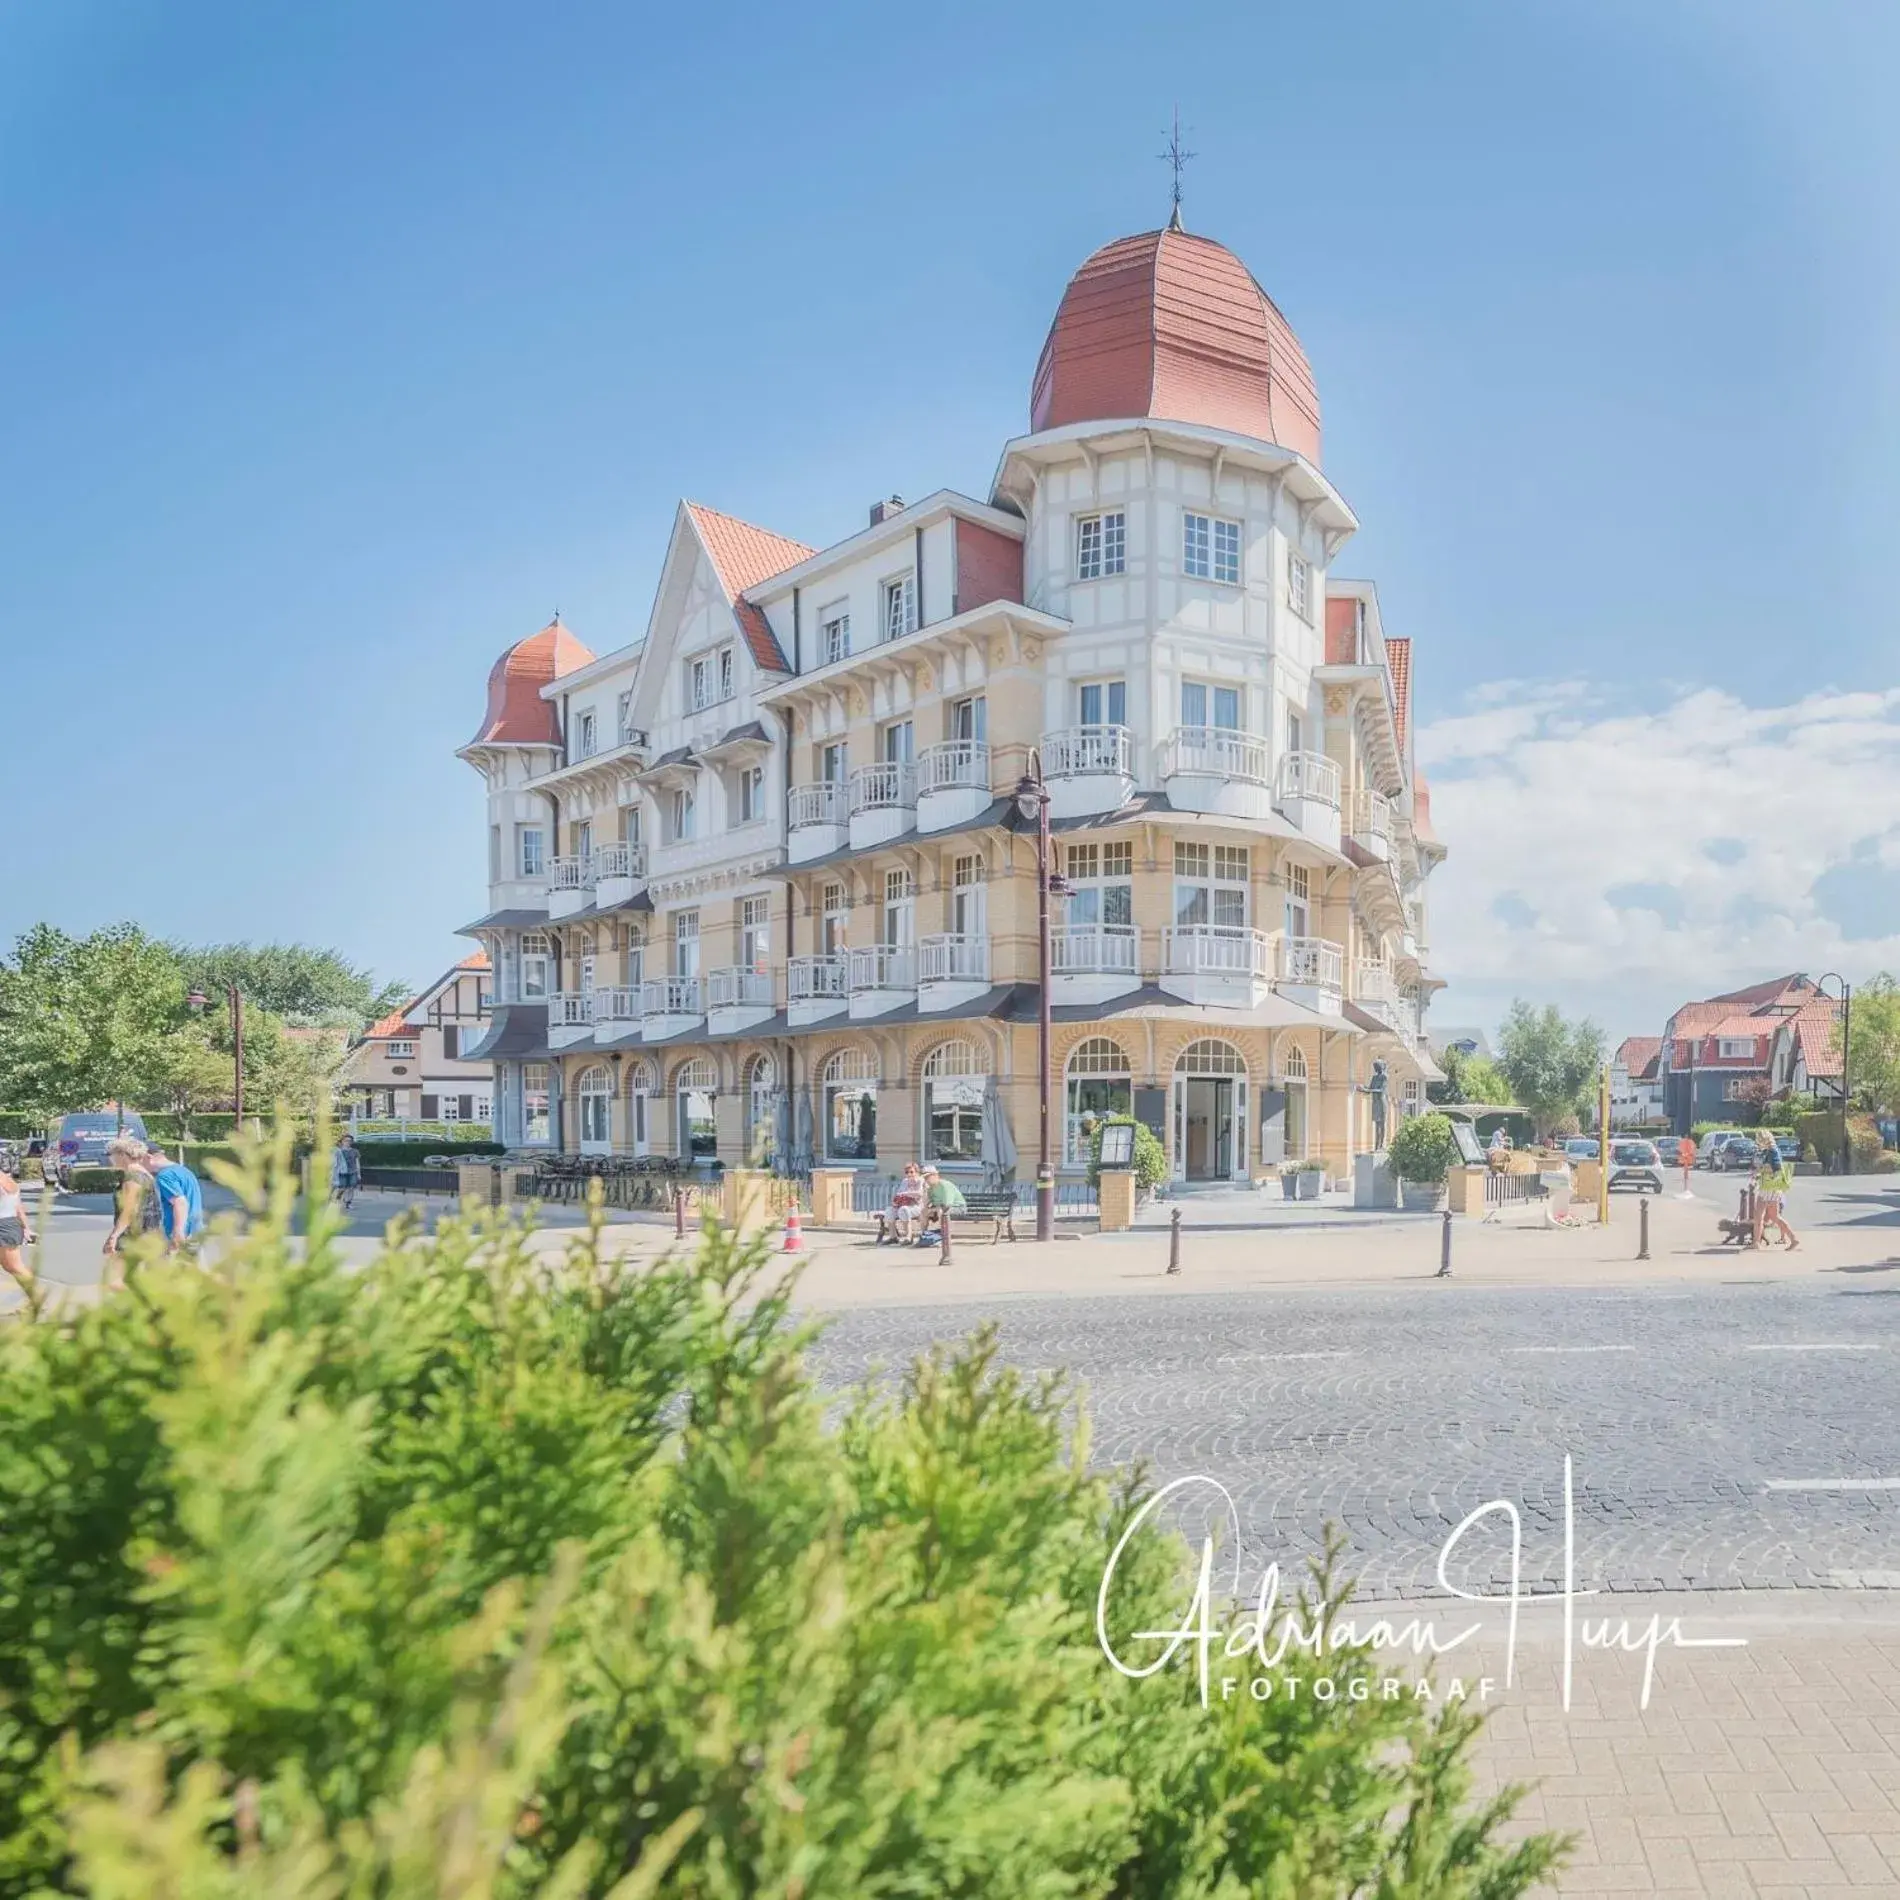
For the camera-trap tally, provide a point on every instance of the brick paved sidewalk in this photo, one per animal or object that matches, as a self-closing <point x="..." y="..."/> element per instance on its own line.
<point x="1772" y="1770"/>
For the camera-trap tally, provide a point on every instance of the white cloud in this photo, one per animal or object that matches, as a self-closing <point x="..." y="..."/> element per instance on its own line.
<point x="1632" y="859"/>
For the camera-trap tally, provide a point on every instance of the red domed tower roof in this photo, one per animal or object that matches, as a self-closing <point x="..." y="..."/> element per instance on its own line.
<point x="1173" y="326"/>
<point x="517" y="714"/>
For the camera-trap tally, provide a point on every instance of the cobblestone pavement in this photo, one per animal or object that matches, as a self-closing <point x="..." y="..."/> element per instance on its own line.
<point x="1724" y="1437"/>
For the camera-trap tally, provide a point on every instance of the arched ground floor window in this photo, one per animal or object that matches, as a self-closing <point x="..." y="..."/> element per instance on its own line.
<point x="1098" y="1082"/>
<point x="641" y="1084"/>
<point x="955" y="1082"/>
<point x="1209" y="1118"/>
<point x="694" y="1086"/>
<point x="596" y="1099"/>
<point x="1297" y="1121"/>
<point x="762" y="1102"/>
<point x="848" y="1091"/>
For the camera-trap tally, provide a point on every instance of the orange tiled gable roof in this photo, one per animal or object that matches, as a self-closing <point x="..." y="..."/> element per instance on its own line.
<point x="479" y="961"/>
<point x="1816" y="1030"/>
<point x="1398" y="659"/>
<point x="1638" y="1053"/>
<point x="742" y="557"/>
<point x="391" y="1025"/>
<point x="517" y="714"/>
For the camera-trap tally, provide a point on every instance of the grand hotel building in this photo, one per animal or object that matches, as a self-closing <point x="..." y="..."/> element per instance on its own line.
<point x="759" y="883"/>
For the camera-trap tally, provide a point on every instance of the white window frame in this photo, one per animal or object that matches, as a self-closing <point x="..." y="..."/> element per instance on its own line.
<point x="1101" y="545"/>
<point x="1211" y="693"/>
<point x="1210" y="548"/>
<point x="401" y="1049"/>
<point x="834" y="634"/>
<point x="897" y="603"/>
<point x="686" y="942"/>
<point x="1734" y="1048"/>
<point x="727" y="673"/>
<point x="699" y="682"/>
<point x="755" y="933"/>
<point x="899" y="920"/>
<point x="1212" y="884"/>
<point x="970" y="718"/>
<point x="1299" y="585"/>
<point x="537" y="962"/>
<point x="623" y="718"/>
<point x="537" y="1126"/>
<point x="958" y="1071"/>
<point x="1111" y="702"/>
<point x="897" y="743"/>
<point x="751" y="794"/>
<point x="1103" y="878"/>
<point x="1099" y="1060"/>
<point x="531" y="860"/>
<point x="586" y="735"/>
<point x="833" y="919"/>
<point x="685" y="814"/>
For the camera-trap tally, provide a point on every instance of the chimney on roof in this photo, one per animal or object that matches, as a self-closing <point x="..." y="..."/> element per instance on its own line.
<point x="882" y="511"/>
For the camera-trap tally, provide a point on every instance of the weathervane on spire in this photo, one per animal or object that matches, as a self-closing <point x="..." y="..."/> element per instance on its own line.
<point x="1177" y="155"/>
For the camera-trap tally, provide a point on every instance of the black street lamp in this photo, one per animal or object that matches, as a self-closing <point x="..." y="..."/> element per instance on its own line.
<point x="197" y="1001"/>
<point x="1032" y="801"/>
<point x="1847" y="1024"/>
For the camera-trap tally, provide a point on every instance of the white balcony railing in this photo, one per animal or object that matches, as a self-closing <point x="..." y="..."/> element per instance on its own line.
<point x="1315" y="961"/>
<point x="672" y="996"/>
<point x="813" y="979"/>
<point x="570" y="874"/>
<point x="953" y="958"/>
<point x="570" y="1009"/>
<point x="1215" y="752"/>
<point x="891" y="783"/>
<point x="1308" y="775"/>
<point x="821" y="804"/>
<point x="882" y="966"/>
<point x="1079" y="750"/>
<point x="1095" y="950"/>
<point x="1372" y="815"/>
<point x="1218" y="950"/>
<point x="622" y="858"/>
<point x="738" y="987"/>
<point x="955" y="763"/>
<point x="619" y="1004"/>
<point x="1373" y="987"/>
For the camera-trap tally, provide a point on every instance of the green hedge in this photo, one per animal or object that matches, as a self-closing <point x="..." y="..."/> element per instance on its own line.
<point x="410" y="1154"/>
<point x="94" y="1181"/>
<point x="459" y="1574"/>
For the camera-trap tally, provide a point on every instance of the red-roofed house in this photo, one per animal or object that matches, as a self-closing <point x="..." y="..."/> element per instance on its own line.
<point x="1721" y="1054"/>
<point x="1636" y="1094"/>
<point x="413" y="1065"/>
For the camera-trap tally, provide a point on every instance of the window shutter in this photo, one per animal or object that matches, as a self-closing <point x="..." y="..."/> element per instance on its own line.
<point x="468" y="1108"/>
<point x="431" y="1108"/>
<point x="451" y="1034"/>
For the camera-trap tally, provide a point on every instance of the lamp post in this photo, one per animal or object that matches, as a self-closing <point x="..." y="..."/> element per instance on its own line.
<point x="1847" y="1025"/>
<point x="197" y="1000"/>
<point x="1032" y="802"/>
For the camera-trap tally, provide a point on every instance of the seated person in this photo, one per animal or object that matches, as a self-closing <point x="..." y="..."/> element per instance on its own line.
<point x="944" y="1197"/>
<point x="907" y="1205"/>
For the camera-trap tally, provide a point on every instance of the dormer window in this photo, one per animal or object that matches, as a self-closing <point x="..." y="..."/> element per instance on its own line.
<point x="834" y="636"/>
<point x="586" y="737"/>
<point x="900" y="607"/>
<point x="725" y="672"/>
<point x="709" y="679"/>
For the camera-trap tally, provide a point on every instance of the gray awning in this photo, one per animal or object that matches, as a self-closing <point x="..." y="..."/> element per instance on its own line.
<point x="517" y="1030"/>
<point x="505" y="920"/>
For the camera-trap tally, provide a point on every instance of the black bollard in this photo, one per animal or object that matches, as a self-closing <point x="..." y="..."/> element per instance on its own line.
<point x="1444" y="1248"/>
<point x="679" y="1213"/>
<point x="943" y="1222"/>
<point x="1174" y="1242"/>
<point x="1642" y="1242"/>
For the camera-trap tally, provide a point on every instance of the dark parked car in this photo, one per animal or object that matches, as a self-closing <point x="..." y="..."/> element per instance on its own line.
<point x="82" y="1141"/>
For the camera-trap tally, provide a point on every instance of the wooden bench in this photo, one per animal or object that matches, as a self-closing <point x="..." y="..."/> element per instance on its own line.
<point x="995" y="1205"/>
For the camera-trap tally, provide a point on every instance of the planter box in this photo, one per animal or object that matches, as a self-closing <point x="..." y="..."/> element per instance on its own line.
<point x="1423" y="1197"/>
<point x="1310" y="1181"/>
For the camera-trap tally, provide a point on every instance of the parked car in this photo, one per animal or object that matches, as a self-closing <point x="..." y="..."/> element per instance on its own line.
<point x="1788" y="1148"/>
<point x="1636" y="1164"/>
<point x="1580" y="1148"/>
<point x="83" y="1138"/>
<point x="1733" y="1154"/>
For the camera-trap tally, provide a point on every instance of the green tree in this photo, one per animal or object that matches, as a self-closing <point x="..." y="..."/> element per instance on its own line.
<point x="1550" y="1064"/>
<point x="304" y="986"/>
<point x="1470" y="1078"/>
<point x="88" y="1020"/>
<point x="480" y="1576"/>
<point x="1873" y="1056"/>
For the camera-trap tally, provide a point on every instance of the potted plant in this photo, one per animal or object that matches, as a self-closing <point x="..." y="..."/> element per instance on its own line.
<point x="1422" y="1154"/>
<point x="1310" y="1177"/>
<point x="1151" y="1159"/>
<point x="1290" y="1180"/>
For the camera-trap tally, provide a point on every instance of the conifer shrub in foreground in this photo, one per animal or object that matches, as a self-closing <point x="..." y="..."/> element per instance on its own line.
<point x="474" y="1575"/>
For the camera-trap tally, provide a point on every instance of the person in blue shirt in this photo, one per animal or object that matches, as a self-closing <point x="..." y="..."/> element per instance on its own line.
<point x="181" y="1206"/>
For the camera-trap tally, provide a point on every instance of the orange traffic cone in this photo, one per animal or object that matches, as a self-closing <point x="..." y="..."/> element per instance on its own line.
<point x="794" y="1240"/>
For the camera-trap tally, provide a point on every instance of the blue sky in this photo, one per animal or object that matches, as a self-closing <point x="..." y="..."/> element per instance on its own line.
<point x="346" y="342"/>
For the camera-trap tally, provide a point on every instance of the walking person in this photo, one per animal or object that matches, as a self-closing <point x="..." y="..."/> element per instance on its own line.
<point x="134" y="1200"/>
<point x="15" y="1235"/>
<point x="181" y="1206"/>
<point x="1685" y="1160"/>
<point x="346" y="1171"/>
<point x="1771" y="1197"/>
